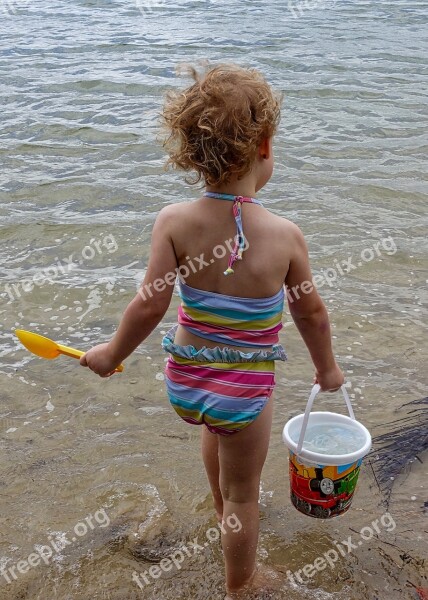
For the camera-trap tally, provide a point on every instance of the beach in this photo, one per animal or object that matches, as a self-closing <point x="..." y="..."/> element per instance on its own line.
<point x="100" y="478"/>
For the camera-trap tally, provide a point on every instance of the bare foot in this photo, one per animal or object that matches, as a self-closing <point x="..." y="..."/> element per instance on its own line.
<point x="261" y="586"/>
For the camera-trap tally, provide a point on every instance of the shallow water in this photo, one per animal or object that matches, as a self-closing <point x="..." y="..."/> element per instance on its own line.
<point x="81" y="182"/>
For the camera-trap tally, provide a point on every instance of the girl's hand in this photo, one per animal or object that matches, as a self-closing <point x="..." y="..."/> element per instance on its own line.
<point x="100" y="360"/>
<point x="330" y="381"/>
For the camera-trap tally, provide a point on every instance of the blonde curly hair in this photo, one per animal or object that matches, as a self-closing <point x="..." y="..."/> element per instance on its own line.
<point x="216" y="125"/>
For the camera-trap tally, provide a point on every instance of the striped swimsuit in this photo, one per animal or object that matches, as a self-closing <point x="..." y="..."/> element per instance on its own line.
<point x="224" y="388"/>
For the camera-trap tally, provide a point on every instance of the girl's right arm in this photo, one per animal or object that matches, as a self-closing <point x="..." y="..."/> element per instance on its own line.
<point x="310" y="315"/>
<point x="148" y="307"/>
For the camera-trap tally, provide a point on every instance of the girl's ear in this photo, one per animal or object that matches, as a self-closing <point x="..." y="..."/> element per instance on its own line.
<point x="264" y="149"/>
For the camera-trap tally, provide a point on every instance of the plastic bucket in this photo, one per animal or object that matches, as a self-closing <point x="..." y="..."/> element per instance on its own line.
<point x="322" y="485"/>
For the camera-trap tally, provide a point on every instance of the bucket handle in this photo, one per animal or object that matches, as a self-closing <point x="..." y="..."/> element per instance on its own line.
<point x="314" y="392"/>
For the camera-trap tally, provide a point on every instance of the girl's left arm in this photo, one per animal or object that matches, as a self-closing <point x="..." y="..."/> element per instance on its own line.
<point x="148" y="307"/>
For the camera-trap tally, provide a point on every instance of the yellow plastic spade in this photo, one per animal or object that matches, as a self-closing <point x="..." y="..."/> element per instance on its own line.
<point x="46" y="348"/>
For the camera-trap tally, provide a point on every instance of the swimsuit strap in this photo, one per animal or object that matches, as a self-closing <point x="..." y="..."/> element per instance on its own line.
<point x="237" y="213"/>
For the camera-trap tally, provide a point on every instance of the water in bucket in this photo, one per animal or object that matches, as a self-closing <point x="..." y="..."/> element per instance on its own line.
<point x="326" y="438"/>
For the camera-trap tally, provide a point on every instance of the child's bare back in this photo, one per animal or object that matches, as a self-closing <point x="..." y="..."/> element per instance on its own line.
<point x="204" y="228"/>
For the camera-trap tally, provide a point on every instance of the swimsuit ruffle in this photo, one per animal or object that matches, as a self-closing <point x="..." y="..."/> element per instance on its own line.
<point x="217" y="354"/>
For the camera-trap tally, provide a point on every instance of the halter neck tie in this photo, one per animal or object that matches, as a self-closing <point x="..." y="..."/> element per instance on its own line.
<point x="240" y="239"/>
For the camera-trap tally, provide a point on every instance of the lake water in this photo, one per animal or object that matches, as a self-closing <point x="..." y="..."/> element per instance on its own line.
<point x="81" y="182"/>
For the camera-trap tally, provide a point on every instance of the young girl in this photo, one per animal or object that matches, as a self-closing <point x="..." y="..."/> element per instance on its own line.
<point x="235" y="261"/>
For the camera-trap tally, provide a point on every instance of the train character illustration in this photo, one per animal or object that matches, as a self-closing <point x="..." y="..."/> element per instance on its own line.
<point x="322" y="491"/>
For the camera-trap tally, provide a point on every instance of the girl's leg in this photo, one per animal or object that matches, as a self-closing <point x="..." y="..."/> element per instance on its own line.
<point x="209" y="443"/>
<point x="242" y="457"/>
